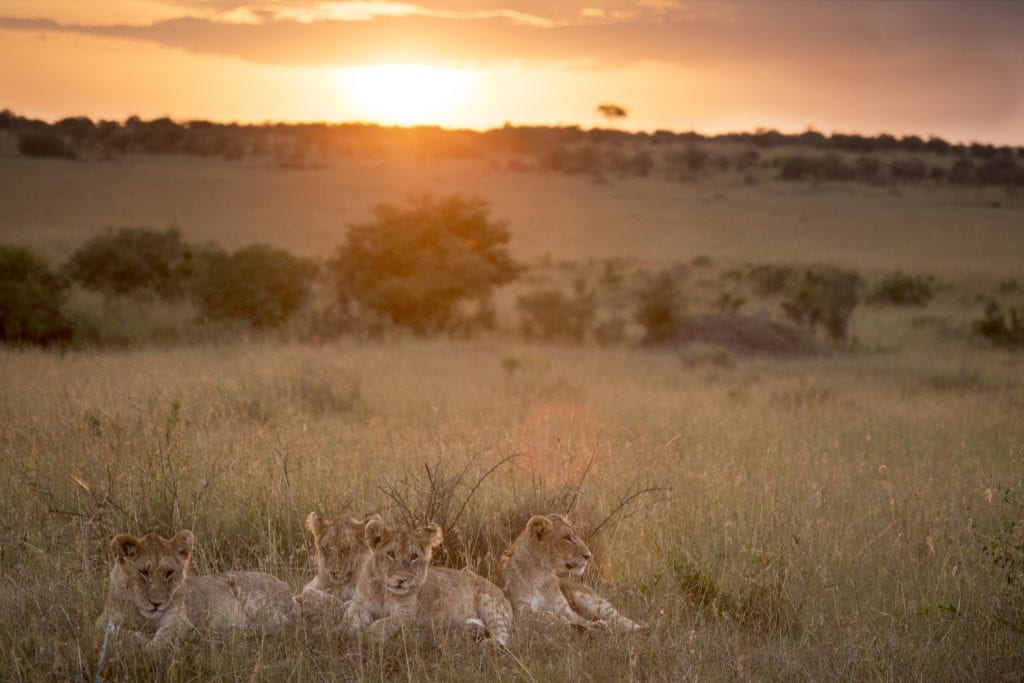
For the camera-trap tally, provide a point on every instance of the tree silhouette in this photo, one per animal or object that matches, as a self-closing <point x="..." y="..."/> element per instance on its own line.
<point x="612" y="111"/>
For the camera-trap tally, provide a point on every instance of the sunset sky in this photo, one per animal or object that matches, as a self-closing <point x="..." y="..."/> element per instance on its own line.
<point x="954" y="69"/>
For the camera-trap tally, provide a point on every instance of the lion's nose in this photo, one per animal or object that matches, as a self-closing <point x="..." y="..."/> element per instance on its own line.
<point x="406" y="564"/>
<point x="156" y="603"/>
<point x="586" y="555"/>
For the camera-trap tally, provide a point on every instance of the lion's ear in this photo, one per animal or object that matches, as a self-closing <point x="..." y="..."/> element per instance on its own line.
<point x="376" y="533"/>
<point x="316" y="524"/>
<point x="430" y="535"/>
<point x="359" y="525"/>
<point x="124" y="547"/>
<point x="183" y="542"/>
<point x="540" y="526"/>
<point x="560" y="519"/>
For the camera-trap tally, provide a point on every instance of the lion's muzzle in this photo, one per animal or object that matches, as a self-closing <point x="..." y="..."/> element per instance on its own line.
<point x="401" y="585"/>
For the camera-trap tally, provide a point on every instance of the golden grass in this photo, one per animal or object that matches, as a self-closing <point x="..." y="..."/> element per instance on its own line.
<point x="825" y="514"/>
<point x="824" y="504"/>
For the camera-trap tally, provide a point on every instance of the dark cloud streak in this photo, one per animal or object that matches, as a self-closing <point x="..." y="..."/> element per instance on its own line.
<point x="780" y="37"/>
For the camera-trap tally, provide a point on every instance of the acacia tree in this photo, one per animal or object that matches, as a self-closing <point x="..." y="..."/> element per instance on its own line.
<point x="416" y="264"/>
<point x="611" y="112"/>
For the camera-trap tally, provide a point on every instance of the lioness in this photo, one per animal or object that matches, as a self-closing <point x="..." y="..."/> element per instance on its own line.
<point x="397" y="586"/>
<point x="530" y="571"/>
<point x="341" y="549"/>
<point x="151" y="591"/>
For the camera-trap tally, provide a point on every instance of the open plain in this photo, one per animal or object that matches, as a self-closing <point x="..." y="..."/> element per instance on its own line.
<point x="818" y="518"/>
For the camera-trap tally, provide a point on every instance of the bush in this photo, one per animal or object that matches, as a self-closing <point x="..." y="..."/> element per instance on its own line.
<point x="963" y="172"/>
<point x="44" y="144"/>
<point x="688" y="164"/>
<point x="771" y="279"/>
<point x="259" y="284"/>
<point x="624" y="165"/>
<point x="912" y="170"/>
<point x="1001" y="171"/>
<point x="828" y="167"/>
<point x="999" y="327"/>
<point x="550" y="315"/>
<point x="821" y="296"/>
<point x="659" y="306"/>
<point x="30" y="299"/>
<point x="824" y="297"/>
<point x="869" y="169"/>
<point x="133" y="261"/>
<point x="80" y="129"/>
<point x="899" y="289"/>
<point x="416" y="264"/>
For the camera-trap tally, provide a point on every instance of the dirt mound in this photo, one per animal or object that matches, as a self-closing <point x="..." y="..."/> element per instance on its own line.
<point x="743" y="335"/>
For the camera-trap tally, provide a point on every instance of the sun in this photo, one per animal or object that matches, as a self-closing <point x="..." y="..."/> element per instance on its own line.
<point x="404" y="94"/>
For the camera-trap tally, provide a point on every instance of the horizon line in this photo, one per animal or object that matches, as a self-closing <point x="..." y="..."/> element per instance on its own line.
<point x="510" y="124"/>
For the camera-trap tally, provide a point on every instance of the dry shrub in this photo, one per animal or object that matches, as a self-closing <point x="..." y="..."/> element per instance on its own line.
<point x="446" y="494"/>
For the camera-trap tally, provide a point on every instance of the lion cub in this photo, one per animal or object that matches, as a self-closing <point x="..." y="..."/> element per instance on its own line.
<point x="340" y="552"/>
<point x="397" y="586"/>
<point x="529" y="574"/>
<point x="151" y="591"/>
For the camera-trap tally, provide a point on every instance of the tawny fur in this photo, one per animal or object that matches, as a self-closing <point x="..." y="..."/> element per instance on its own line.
<point x="340" y="548"/>
<point x="151" y="592"/>
<point x="398" y="587"/>
<point x="531" y="574"/>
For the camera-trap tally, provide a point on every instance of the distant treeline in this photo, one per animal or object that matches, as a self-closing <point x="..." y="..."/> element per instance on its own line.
<point x="601" y="153"/>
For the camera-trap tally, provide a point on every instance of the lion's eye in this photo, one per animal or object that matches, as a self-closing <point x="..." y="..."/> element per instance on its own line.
<point x="414" y="557"/>
<point x="168" y="574"/>
<point x="391" y="554"/>
<point x="144" y="573"/>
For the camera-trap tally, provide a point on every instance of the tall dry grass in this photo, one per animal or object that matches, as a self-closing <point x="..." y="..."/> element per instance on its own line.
<point x="823" y="522"/>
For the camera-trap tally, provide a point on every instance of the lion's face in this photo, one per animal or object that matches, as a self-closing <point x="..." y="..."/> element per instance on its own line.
<point x="557" y="546"/>
<point x="153" y="568"/>
<point x="401" y="556"/>
<point x="340" y="548"/>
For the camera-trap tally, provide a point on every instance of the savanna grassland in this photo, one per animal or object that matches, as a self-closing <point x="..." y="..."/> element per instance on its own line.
<point x="818" y="517"/>
<point x="56" y="205"/>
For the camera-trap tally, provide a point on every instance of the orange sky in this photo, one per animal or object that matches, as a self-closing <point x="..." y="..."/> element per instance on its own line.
<point x="951" y="69"/>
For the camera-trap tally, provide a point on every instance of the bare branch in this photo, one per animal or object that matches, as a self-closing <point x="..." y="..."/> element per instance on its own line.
<point x="629" y="498"/>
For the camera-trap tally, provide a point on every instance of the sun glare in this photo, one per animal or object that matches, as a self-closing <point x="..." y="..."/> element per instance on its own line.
<point x="404" y="94"/>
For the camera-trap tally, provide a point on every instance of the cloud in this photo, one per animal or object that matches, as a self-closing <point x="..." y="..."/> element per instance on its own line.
<point x="294" y="32"/>
<point x="947" y="58"/>
<point x="538" y="12"/>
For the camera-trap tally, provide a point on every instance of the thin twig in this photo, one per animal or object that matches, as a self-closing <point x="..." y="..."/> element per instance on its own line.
<point x="623" y="502"/>
<point x="472" y="492"/>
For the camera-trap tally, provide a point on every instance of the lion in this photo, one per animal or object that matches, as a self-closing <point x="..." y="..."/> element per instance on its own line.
<point x="532" y="575"/>
<point x="340" y="548"/>
<point x="151" y="591"/>
<point x="397" y="587"/>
